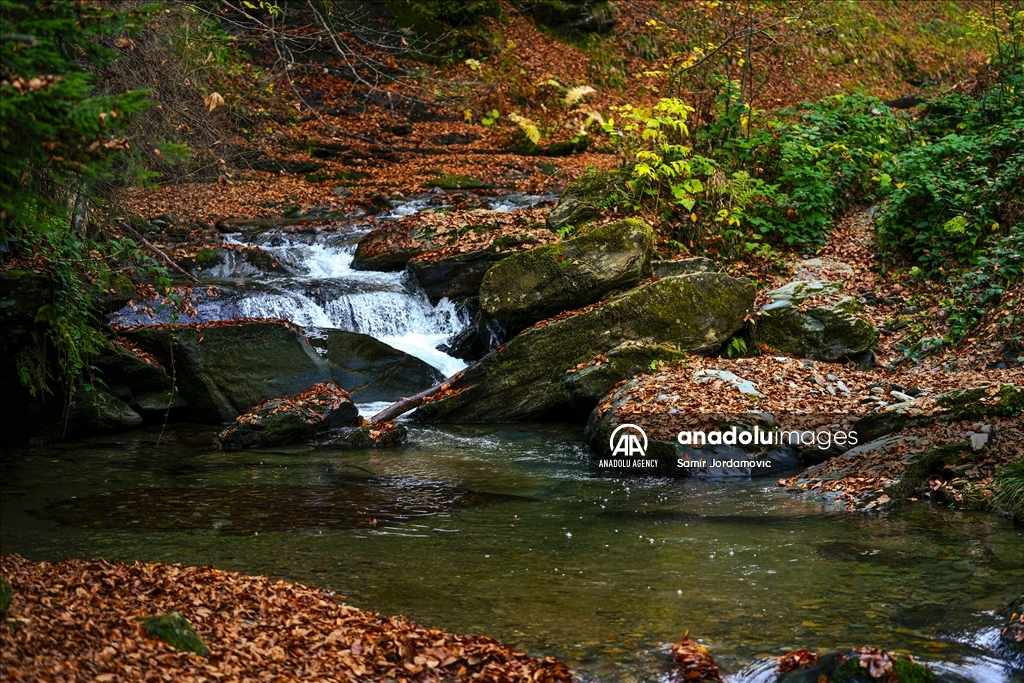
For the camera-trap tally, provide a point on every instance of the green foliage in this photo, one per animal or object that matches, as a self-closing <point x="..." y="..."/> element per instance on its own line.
<point x="54" y="128"/>
<point x="58" y="137"/>
<point x="981" y="287"/>
<point x="959" y="184"/>
<point x="1009" y="486"/>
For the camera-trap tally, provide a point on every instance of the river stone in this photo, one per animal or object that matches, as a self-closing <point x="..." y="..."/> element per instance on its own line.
<point x="544" y="281"/>
<point x="224" y="369"/>
<point x="846" y="667"/>
<point x="369" y="369"/>
<point x="697" y="264"/>
<point x="97" y="411"/>
<point x="583" y="388"/>
<point x="522" y="380"/>
<point x="379" y="435"/>
<point x="827" y="333"/>
<point x="291" y="419"/>
<point x="584" y="199"/>
<point x="176" y="631"/>
<point x="664" y="456"/>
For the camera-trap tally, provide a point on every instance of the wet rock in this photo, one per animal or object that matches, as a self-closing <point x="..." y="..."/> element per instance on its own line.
<point x="292" y="419"/>
<point x="544" y="281"/>
<point x="698" y="264"/>
<point x="456" y="277"/>
<point x="23" y="293"/>
<point x="522" y="379"/>
<point x="379" y="435"/>
<point x="1012" y="632"/>
<point x="474" y="342"/>
<point x="866" y="665"/>
<point x="176" y="631"/>
<point x="583" y="388"/>
<point x="572" y="16"/>
<point x="371" y="370"/>
<point x="585" y="198"/>
<point x="97" y="411"/>
<point x="220" y="262"/>
<point x="828" y="332"/>
<point x="224" y="369"/>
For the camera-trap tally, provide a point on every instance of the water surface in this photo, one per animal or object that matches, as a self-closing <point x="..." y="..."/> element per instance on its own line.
<point x="505" y="531"/>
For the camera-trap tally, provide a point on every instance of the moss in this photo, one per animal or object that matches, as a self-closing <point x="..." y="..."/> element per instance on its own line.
<point x="967" y="404"/>
<point x="6" y="597"/>
<point x="907" y="671"/>
<point x="208" y="258"/>
<point x="455" y="182"/>
<point x="925" y="464"/>
<point x="176" y="631"/>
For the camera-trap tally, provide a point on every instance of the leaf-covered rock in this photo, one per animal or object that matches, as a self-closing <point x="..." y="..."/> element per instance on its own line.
<point x="175" y="630"/>
<point x="522" y="379"/>
<point x="795" y="322"/>
<point x="563" y="276"/>
<point x="583" y="387"/>
<point x="292" y="419"/>
<point x="377" y="435"/>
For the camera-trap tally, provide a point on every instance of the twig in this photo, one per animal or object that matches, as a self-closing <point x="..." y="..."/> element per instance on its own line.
<point x="162" y="255"/>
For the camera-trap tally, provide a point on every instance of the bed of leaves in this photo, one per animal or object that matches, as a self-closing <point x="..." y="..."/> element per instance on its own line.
<point x="694" y="662"/>
<point x="79" y="620"/>
<point x="313" y="404"/>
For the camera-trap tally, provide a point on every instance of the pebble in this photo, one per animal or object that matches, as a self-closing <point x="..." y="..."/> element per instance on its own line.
<point x="877" y="390"/>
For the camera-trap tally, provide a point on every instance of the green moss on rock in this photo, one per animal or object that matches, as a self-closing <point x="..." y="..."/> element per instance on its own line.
<point x="584" y="199"/>
<point x="176" y="631"/>
<point x="544" y="281"/>
<point x="6" y="597"/>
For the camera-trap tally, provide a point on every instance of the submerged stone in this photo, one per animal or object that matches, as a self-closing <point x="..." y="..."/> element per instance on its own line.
<point x="176" y="631"/>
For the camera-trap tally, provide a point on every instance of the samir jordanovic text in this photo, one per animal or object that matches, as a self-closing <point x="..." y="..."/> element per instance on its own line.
<point x="760" y="437"/>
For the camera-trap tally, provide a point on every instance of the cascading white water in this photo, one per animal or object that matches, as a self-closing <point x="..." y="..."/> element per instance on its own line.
<point x="315" y="286"/>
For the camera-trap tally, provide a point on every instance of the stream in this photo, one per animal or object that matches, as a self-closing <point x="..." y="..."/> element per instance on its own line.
<point x="505" y="530"/>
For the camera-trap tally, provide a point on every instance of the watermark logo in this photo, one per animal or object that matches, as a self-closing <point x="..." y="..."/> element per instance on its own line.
<point x="628" y="444"/>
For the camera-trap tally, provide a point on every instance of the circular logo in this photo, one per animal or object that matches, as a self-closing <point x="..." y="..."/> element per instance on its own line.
<point x="628" y="443"/>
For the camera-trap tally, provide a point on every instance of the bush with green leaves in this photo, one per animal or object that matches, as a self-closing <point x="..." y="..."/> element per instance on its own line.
<point x="960" y="185"/>
<point x="57" y="137"/>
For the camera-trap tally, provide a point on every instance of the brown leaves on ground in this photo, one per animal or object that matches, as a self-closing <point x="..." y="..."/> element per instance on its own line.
<point x="78" y="620"/>
<point x="795" y="659"/>
<point x="694" y="661"/>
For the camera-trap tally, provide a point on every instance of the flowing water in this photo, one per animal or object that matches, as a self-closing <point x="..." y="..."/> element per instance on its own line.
<point x="505" y="531"/>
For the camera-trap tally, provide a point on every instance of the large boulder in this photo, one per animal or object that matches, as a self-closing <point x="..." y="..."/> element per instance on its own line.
<point x="222" y="370"/>
<point x="584" y="199"/>
<point x="521" y="380"/>
<point x="697" y="264"/>
<point x="456" y="272"/>
<point x="583" y="387"/>
<point x="138" y="379"/>
<point x="370" y="370"/>
<point x="96" y="411"/>
<point x="812" y="320"/>
<point x="547" y="280"/>
<point x="291" y="419"/>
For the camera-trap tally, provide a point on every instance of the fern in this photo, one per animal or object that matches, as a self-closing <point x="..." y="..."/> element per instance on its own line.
<point x="529" y="128"/>
<point x="574" y="95"/>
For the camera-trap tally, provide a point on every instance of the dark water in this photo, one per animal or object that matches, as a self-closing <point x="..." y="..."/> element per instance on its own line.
<point x="505" y="531"/>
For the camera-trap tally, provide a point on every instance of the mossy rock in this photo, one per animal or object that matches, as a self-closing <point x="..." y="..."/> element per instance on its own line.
<point x="521" y="380"/>
<point x="698" y="264"/>
<point x="584" y="388"/>
<point x="456" y="182"/>
<point x="584" y="199"/>
<point x="223" y="371"/>
<point x="826" y="333"/>
<point x="175" y="630"/>
<point x="572" y="17"/>
<point x="380" y="435"/>
<point x="6" y="597"/>
<point x="925" y="464"/>
<point x="563" y="276"/>
<point x="292" y="419"/>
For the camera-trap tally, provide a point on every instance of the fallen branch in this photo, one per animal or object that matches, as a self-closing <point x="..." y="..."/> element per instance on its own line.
<point x="403" y="406"/>
<point x="166" y="259"/>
